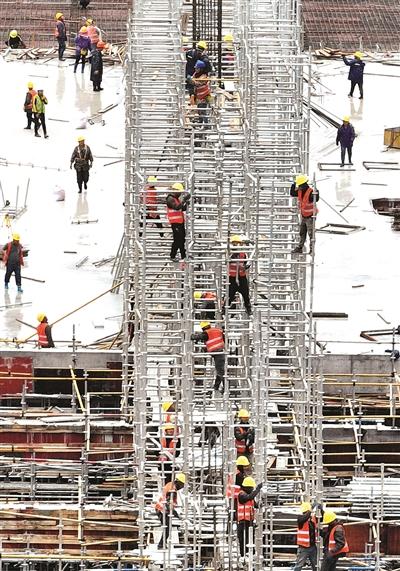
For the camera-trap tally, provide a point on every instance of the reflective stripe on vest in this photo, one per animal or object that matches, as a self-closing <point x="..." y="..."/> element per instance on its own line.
<point x="236" y="268"/>
<point x="202" y="90"/>
<point x="245" y="512"/>
<point x="175" y="216"/>
<point x="332" y="542"/>
<point x="170" y="487"/>
<point x="41" y="331"/>
<point x="93" y="34"/>
<point x="215" y="341"/>
<point x="303" y="534"/>
<point x="306" y="207"/>
<point x="241" y="444"/>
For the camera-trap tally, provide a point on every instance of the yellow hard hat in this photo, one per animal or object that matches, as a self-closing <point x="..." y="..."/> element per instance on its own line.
<point x="243" y="413"/>
<point x="168" y="426"/>
<point x="249" y="482"/>
<point x="228" y="38"/>
<point x="305" y="507"/>
<point x="181" y="478"/>
<point x="30" y="85"/>
<point x="197" y="295"/>
<point x="59" y="15"/>
<point x="80" y="138"/>
<point x="13" y="34"/>
<point x="151" y="179"/>
<point x="167" y="405"/>
<point x="242" y="461"/>
<point x="204" y="324"/>
<point x="178" y="186"/>
<point x="236" y="238"/>
<point x="202" y="45"/>
<point x="16" y="236"/>
<point x="329" y="517"/>
<point x="83" y="30"/>
<point x="40" y="317"/>
<point x="301" y="179"/>
<point x="89" y="21"/>
<point x="346" y="119"/>
<point x="358" y="55"/>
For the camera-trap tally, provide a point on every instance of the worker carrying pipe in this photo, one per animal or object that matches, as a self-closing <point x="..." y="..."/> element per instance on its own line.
<point x="306" y="202"/>
<point x="166" y="506"/>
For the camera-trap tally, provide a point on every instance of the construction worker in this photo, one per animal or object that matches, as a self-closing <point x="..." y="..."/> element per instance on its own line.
<point x="192" y="56"/>
<point x="306" y="538"/>
<point x="238" y="266"/>
<point x="96" y="71"/>
<point x="82" y="47"/>
<point x="39" y="109"/>
<point x="345" y="136"/>
<point x="246" y="511"/>
<point x="29" y="103"/>
<point x="60" y="33"/>
<point x="13" y="259"/>
<point x="149" y="205"/>
<point x="214" y="339"/>
<point x="208" y="302"/>
<point x="94" y="33"/>
<point x="14" y="41"/>
<point x="44" y="332"/>
<point x="82" y="159"/>
<point x="168" y="410"/>
<point x="166" y="506"/>
<point x="306" y="199"/>
<point x="176" y="207"/>
<point x="356" y="73"/>
<point x="243" y="468"/>
<point x="228" y="57"/>
<point x="170" y="445"/>
<point x="334" y="541"/>
<point x="202" y="92"/>
<point x="244" y="434"/>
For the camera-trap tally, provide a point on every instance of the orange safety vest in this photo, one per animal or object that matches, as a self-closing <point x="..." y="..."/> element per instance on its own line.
<point x="332" y="542"/>
<point x="202" y="89"/>
<point x="32" y="93"/>
<point x="241" y="444"/>
<point x="306" y="207"/>
<point x="167" y="489"/>
<point x="41" y="331"/>
<point x="93" y="34"/>
<point x="236" y="268"/>
<point x="150" y="200"/>
<point x="245" y="511"/>
<point x="215" y="341"/>
<point x="175" y="216"/>
<point x="303" y="534"/>
<point x="208" y="295"/>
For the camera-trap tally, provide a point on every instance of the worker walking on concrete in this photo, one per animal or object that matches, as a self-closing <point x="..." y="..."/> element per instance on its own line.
<point x="28" y="104"/>
<point x="345" y="136"/>
<point x="238" y="267"/>
<point x="245" y="515"/>
<point x="82" y="47"/>
<point x="13" y="259"/>
<point x="45" y="340"/>
<point x="170" y="449"/>
<point x="334" y="541"/>
<point x="166" y="506"/>
<point x="149" y="203"/>
<point x="82" y="159"/>
<point x="39" y="110"/>
<point x="14" y="41"/>
<point x="176" y="207"/>
<point x="356" y="72"/>
<point x="94" y="33"/>
<point x="306" y="538"/>
<point x="244" y="434"/>
<point x="306" y="199"/>
<point x="60" y="32"/>
<point x="96" y="71"/>
<point x="214" y="339"/>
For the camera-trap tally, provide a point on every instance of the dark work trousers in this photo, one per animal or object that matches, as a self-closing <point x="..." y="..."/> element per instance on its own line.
<point x="343" y="153"/>
<point x="202" y="109"/>
<point x="40" y="120"/>
<point x="360" y="87"/>
<point x="306" y="227"/>
<point x="13" y="269"/>
<point x="97" y="84"/>
<point x="82" y="177"/>
<point x="243" y="528"/>
<point x="208" y="311"/>
<point x="304" y="554"/>
<point x="329" y="563"/>
<point x="219" y="364"/>
<point x="29" y="117"/>
<point x="179" y="235"/>
<point x="165" y="520"/>
<point x="241" y="285"/>
<point x="77" y="58"/>
<point x="151" y="220"/>
<point x="61" y="47"/>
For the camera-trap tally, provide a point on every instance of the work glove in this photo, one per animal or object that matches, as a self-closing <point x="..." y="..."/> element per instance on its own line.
<point x="337" y="143"/>
<point x="259" y="486"/>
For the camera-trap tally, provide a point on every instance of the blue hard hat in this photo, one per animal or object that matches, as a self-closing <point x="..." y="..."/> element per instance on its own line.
<point x="200" y="64"/>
